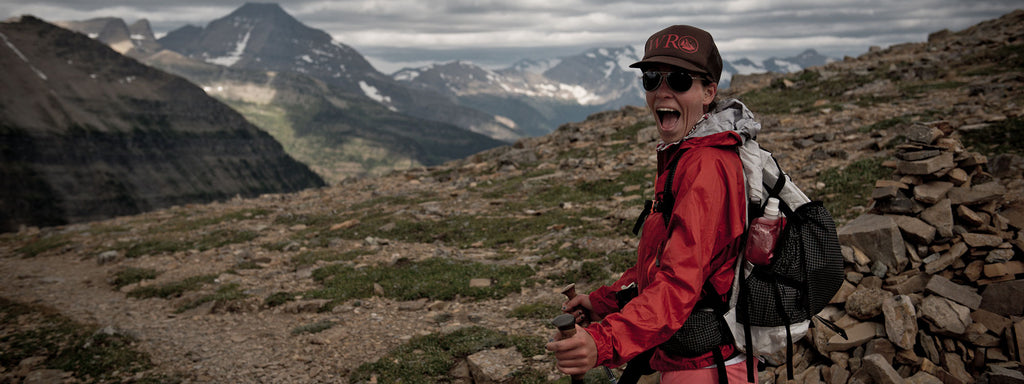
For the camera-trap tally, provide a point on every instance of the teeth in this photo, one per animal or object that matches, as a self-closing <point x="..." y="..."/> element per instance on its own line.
<point x="666" y="110"/>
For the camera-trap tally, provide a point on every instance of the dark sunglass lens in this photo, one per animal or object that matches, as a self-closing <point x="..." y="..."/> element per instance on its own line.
<point x="680" y="81"/>
<point x="651" y="80"/>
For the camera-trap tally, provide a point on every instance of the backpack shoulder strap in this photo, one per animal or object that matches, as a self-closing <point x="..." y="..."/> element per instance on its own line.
<point x="668" y="199"/>
<point x="664" y="200"/>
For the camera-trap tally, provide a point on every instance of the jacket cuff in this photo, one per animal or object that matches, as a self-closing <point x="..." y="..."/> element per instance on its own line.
<point x="605" y="353"/>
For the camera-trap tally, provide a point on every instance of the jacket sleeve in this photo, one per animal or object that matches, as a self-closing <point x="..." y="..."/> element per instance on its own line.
<point x="706" y="218"/>
<point x="603" y="299"/>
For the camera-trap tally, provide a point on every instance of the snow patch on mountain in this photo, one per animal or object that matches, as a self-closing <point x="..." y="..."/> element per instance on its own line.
<point x="375" y="94"/>
<point x="235" y="55"/>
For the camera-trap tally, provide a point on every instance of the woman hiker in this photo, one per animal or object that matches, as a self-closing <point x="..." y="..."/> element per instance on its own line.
<point x="691" y="238"/>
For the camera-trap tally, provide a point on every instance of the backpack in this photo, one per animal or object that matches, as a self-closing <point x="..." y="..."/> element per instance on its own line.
<point x="769" y="307"/>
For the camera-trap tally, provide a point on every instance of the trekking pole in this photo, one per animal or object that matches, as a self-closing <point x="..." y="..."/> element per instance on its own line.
<point x="566" y="324"/>
<point x="570" y="292"/>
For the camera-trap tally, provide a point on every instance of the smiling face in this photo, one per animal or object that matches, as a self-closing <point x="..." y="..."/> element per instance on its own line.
<point x="677" y="112"/>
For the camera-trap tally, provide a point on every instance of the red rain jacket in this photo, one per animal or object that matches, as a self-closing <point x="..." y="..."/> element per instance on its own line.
<point x="673" y="263"/>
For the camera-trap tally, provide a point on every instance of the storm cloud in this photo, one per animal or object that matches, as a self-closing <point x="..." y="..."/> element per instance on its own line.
<point x="495" y="33"/>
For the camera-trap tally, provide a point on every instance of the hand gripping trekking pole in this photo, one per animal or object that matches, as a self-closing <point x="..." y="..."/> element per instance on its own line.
<point x="570" y="292"/>
<point x="566" y="325"/>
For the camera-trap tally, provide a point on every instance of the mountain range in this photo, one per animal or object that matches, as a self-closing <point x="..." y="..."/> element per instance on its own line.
<point x="87" y="133"/>
<point x="332" y="110"/>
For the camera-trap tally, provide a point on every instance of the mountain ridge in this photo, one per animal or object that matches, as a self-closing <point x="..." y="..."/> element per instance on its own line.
<point x="504" y="105"/>
<point x="90" y="134"/>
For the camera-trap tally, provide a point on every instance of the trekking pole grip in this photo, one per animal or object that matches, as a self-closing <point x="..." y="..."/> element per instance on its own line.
<point x="570" y="292"/>
<point x="566" y="324"/>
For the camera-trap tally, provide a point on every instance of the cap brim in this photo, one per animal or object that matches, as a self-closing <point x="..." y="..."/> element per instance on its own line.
<point x="667" y="60"/>
<point x="674" y="61"/>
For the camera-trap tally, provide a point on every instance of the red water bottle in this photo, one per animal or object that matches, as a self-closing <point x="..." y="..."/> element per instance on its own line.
<point x="764" y="232"/>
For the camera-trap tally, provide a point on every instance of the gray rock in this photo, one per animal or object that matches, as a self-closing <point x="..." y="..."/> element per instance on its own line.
<point x="959" y="293"/>
<point x="914" y="229"/>
<point x="1001" y="375"/>
<point x="107" y="257"/>
<point x="982" y="240"/>
<point x="978" y="194"/>
<point x="932" y="192"/>
<point x="999" y="256"/>
<point x="878" y="237"/>
<point x="877" y="368"/>
<point x="881" y="347"/>
<point x="945" y="316"/>
<point x="938" y="262"/>
<point x="857" y="335"/>
<point x="927" y="343"/>
<point x="926" y="166"/>
<point x="837" y="375"/>
<point x="494" y="365"/>
<point x="1004" y="298"/>
<point x="923" y="134"/>
<point x="866" y="303"/>
<point x="922" y="377"/>
<point x="940" y="216"/>
<point x="900" y="321"/>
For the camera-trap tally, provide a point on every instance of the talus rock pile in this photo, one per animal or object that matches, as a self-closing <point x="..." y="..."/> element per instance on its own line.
<point x="933" y="292"/>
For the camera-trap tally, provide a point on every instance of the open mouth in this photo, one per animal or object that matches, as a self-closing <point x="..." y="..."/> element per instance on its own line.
<point x="667" y="117"/>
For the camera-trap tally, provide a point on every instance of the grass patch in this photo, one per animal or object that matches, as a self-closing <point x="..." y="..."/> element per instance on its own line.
<point x="427" y="359"/>
<point x="804" y="88"/>
<point x="222" y="237"/>
<point x="1002" y="137"/>
<point x="43" y="244"/>
<point x="152" y="247"/>
<point x="463" y="230"/>
<point x="316" y="327"/>
<point x="630" y="132"/>
<point x="851" y="186"/>
<point x="188" y="223"/>
<point x="589" y="271"/>
<point x="91" y="355"/>
<point x="278" y="298"/>
<point x="312" y="257"/>
<point x="173" y="289"/>
<point x="1006" y="58"/>
<point x="309" y="220"/>
<point x="435" y="278"/>
<point x="900" y="121"/>
<point x="916" y="89"/>
<point x="132" y="275"/>
<point x="210" y="240"/>
<point x="224" y="293"/>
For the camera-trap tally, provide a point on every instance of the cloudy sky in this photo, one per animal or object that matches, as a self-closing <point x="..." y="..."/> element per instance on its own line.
<point x="495" y="33"/>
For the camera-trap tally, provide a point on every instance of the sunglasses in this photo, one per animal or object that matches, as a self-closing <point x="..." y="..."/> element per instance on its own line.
<point x="679" y="81"/>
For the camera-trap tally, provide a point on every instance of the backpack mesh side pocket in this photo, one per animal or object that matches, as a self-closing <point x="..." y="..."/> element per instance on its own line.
<point x="804" y="274"/>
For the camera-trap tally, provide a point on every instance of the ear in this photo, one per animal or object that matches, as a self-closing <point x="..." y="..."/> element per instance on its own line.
<point x="710" y="91"/>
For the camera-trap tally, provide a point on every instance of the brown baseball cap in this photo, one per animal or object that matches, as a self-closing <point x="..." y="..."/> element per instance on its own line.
<point x="684" y="46"/>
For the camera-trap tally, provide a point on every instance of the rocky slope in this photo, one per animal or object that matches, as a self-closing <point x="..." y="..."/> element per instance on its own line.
<point x="562" y="205"/>
<point x="90" y="134"/>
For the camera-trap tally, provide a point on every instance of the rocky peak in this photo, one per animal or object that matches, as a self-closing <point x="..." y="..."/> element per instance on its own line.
<point x="91" y="134"/>
<point x="264" y="36"/>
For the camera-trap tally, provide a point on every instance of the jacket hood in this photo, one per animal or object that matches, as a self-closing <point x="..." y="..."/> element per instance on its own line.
<point x="730" y="115"/>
